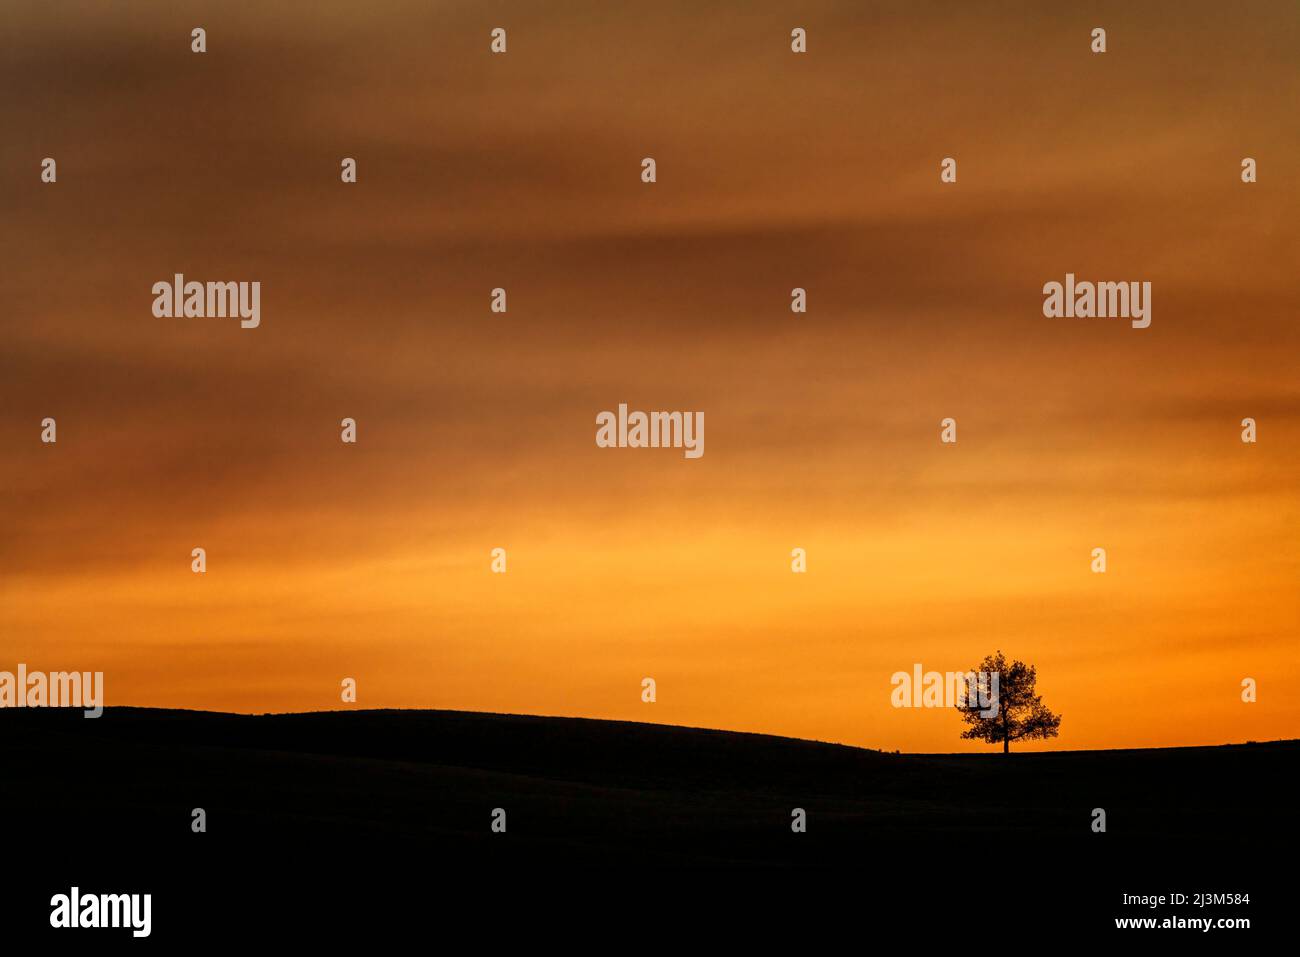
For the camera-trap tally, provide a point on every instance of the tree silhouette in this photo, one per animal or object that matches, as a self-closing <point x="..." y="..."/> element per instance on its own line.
<point x="1021" y="713"/>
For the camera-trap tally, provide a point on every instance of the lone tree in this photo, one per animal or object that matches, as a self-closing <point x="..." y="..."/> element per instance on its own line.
<point x="1020" y="713"/>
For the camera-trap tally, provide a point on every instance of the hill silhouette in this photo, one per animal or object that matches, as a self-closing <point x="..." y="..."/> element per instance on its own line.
<point x="326" y="816"/>
<point x="606" y="791"/>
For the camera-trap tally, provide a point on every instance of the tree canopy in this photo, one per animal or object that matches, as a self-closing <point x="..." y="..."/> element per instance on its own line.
<point x="1020" y="713"/>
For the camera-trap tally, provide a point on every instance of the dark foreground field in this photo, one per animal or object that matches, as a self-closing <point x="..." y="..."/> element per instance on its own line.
<point x="404" y="795"/>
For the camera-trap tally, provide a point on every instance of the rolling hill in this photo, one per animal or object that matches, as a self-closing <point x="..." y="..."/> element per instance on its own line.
<point x="377" y="801"/>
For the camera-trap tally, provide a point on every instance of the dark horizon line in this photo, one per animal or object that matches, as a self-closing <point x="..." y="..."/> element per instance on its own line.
<point x="652" y="724"/>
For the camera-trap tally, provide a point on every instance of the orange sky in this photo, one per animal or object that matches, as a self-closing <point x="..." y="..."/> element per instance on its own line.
<point x="477" y="430"/>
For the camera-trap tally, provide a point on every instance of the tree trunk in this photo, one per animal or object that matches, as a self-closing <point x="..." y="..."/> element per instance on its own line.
<point x="1006" y="745"/>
